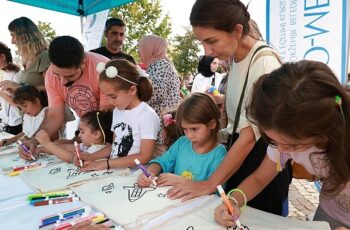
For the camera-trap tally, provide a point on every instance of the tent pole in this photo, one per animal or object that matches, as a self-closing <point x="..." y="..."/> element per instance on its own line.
<point x="81" y="24"/>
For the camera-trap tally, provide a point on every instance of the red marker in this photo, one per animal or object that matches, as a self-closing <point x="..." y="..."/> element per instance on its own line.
<point x="56" y="201"/>
<point x="24" y="167"/>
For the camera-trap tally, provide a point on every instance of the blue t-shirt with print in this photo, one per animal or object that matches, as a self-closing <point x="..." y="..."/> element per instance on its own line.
<point x="182" y="160"/>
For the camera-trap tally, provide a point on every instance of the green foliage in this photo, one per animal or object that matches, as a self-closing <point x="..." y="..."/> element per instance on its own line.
<point x="184" y="53"/>
<point x="46" y="29"/>
<point x="142" y="17"/>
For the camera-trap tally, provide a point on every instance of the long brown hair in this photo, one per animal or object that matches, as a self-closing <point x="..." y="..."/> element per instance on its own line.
<point x="300" y="101"/>
<point x="128" y="71"/>
<point x="199" y="108"/>
<point x="29" y="40"/>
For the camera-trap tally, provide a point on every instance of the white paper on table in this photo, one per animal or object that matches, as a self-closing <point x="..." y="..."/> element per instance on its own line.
<point x="252" y="219"/>
<point x="63" y="175"/>
<point x="129" y="205"/>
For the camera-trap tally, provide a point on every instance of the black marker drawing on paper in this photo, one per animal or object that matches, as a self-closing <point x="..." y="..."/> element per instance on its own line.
<point x="73" y="173"/>
<point x="54" y="171"/>
<point x="135" y="192"/>
<point x="108" y="188"/>
<point x="161" y="195"/>
<point x="190" y="228"/>
<point x="94" y="175"/>
<point x="107" y="172"/>
<point x="237" y="228"/>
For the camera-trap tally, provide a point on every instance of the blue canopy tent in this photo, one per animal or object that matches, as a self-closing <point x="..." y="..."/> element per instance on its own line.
<point x="75" y="7"/>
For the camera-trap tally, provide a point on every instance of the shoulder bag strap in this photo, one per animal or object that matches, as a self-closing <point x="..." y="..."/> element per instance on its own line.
<point x="238" y="111"/>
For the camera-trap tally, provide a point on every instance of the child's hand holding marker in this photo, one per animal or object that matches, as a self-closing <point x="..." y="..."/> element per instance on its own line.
<point x="25" y="153"/>
<point x="227" y="213"/>
<point x="146" y="179"/>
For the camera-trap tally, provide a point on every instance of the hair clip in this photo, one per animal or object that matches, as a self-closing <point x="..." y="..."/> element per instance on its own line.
<point x="100" y="67"/>
<point x="111" y="72"/>
<point x="141" y="72"/>
<point x="339" y="102"/>
<point x="168" y="120"/>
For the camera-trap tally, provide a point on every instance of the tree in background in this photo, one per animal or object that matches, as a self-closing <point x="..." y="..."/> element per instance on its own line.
<point x="46" y="29"/>
<point x="184" y="53"/>
<point x="142" y="17"/>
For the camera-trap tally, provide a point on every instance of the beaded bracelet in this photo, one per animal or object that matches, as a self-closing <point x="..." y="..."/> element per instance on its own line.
<point x="242" y="193"/>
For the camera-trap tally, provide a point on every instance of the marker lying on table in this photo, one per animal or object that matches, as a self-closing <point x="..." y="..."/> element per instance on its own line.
<point x="20" y="143"/>
<point x="228" y="205"/>
<point x="51" y="194"/>
<point x="77" y="149"/>
<point x="85" y="210"/>
<point x="56" y="201"/>
<point x="18" y="169"/>
<point x="145" y="171"/>
<point x="97" y="217"/>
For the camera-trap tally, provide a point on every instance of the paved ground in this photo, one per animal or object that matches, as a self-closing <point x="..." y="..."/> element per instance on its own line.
<point x="303" y="199"/>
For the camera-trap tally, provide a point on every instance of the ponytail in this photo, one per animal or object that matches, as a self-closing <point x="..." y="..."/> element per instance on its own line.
<point x="144" y="89"/>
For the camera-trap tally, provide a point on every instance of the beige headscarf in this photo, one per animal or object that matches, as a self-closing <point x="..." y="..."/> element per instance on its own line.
<point x="152" y="48"/>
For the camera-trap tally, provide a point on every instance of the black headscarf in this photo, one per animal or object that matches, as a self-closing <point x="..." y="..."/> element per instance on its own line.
<point x="204" y="66"/>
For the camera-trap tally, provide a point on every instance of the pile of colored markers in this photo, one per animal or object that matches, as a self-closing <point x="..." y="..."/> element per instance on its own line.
<point x="52" y="198"/>
<point x="64" y="220"/>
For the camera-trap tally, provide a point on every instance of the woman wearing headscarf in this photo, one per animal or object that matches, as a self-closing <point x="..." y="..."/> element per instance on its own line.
<point x="207" y="75"/>
<point x="162" y="73"/>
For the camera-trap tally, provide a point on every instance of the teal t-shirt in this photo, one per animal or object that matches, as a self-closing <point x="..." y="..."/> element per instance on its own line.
<point x="182" y="160"/>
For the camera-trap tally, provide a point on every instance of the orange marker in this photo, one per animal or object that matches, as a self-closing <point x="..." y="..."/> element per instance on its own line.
<point x="228" y="204"/>
<point x="77" y="149"/>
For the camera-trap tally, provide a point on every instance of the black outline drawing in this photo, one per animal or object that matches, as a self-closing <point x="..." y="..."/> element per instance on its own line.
<point x="54" y="171"/>
<point x="162" y="195"/>
<point x="73" y="173"/>
<point x="135" y="192"/>
<point x="108" y="188"/>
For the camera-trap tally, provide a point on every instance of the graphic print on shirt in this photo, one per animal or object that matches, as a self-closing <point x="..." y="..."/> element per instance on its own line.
<point x="81" y="99"/>
<point x="123" y="140"/>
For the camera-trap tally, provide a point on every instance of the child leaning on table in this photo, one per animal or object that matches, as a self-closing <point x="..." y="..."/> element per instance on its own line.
<point x="94" y="133"/>
<point x="197" y="154"/>
<point x="304" y="113"/>
<point x="135" y="124"/>
<point x="33" y="104"/>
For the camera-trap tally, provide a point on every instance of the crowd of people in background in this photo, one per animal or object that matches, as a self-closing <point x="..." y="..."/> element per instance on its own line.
<point x="241" y="128"/>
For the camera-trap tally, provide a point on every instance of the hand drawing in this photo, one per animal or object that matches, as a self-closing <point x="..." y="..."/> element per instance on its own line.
<point x="135" y="192"/>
